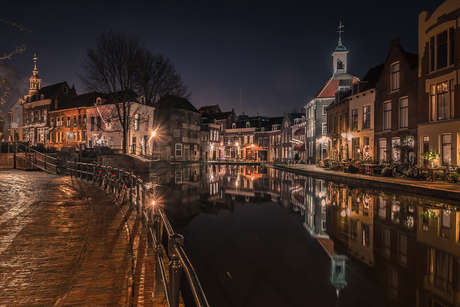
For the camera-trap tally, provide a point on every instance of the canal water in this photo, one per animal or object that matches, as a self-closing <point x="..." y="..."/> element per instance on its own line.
<point x="265" y="237"/>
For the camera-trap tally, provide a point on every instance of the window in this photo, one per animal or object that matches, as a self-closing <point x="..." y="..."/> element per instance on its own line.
<point x="346" y="122"/>
<point x="136" y="122"/>
<point x="58" y="122"/>
<point x="354" y="229"/>
<point x="98" y="123"/>
<point x="65" y="89"/>
<point x="394" y="72"/>
<point x="335" y="125"/>
<point x="354" y="119"/>
<point x="402" y="248"/>
<point x="383" y="149"/>
<point x="75" y="120"/>
<point x="393" y="281"/>
<point x="62" y="120"/>
<point x="366" y="235"/>
<point x="84" y="118"/>
<point x="395" y="150"/>
<point x="324" y="110"/>
<point x="176" y="133"/>
<point x="395" y="211"/>
<point x="403" y="113"/>
<point x="387" y="115"/>
<point x="42" y="97"/>
<point x="146" y="120"/>
<point x="340" y="123"/>
<point x="52" y="122"/>
<point x="366" y="117"/>
<point x="445" y="224"/>
<point x="178" y="150"/>
<point x="324" y="128"/>
<point x="440" y="270"/>
<point x="386" y="242"/>
<point x="68" y="121"/>
<point x="91" y="123"/>
<point x="382" y="208"/>
<point x="248" y="124"/>
<point x="442" y="49"/>
<point x="446" y="149"/>
<point x="79" y="119"/>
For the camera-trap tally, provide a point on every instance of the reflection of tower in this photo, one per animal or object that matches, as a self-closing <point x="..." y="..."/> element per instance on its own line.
<point x="338" y="272"/>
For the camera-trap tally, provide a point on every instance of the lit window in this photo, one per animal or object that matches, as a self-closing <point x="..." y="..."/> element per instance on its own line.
<point x="387" y="115"/>
<point x="176" y="133"/>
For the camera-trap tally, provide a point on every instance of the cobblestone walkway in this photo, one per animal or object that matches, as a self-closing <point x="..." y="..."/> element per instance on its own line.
<point x="63" y="242"/>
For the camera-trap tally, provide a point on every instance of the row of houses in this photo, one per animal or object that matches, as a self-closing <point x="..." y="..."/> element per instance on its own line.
<point x="403" y="107"/>
<point x="172" y="128"/>
<point x="408" y="102"/>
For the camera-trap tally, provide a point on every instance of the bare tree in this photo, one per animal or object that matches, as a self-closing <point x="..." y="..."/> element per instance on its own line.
<point x="121" y="67"/>
<point x="157" y="77"/>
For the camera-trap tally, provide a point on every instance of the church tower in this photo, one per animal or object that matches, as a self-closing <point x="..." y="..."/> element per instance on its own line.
<point x="35" y="80"/>
<point x="339" y="57"/>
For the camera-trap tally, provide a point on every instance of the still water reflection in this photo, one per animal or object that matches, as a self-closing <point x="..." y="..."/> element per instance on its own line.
<point x="264" y="237"/>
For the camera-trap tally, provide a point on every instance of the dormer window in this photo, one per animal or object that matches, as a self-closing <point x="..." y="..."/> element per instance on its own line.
<point x="98" y="100"/>
<point x="233" y="126"/>
<point x="65" y="89"/>
<point x="247" y="124"/>
<point x="42" y="96"/>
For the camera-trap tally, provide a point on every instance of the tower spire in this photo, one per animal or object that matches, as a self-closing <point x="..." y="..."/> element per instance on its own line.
<point x="35" y="72"/>
<point x="340" y="31"/>
<point x="35" y="80"/>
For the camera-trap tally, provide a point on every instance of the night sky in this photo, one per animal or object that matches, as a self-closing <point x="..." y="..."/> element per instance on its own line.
<point x="278" y="54"/>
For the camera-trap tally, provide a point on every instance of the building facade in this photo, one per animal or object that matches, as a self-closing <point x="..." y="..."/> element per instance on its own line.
<point x="438" y="88"/>
<point x="397" y="106"/>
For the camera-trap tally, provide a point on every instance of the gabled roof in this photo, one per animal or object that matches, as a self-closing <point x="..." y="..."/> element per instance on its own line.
<point x="371" y="77"/>
<point x="208" y="110"/>
<point x="217" y="116"/>
<point x="172" y="101"/>
<point x="83" y="100"/>
<point x="332" y="85"/>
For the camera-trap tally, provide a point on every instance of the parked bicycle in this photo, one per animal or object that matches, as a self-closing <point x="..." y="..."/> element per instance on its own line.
<point x="406" y="169"/>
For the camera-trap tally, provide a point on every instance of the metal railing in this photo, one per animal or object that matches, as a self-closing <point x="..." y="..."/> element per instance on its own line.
<point x="124" y="185"/>
<point x="36" y="159"/>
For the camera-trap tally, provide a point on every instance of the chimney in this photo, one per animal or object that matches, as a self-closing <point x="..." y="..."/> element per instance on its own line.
<point x="56" y="102"/>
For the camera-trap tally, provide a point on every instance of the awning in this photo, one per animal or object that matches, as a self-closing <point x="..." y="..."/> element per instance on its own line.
<point x="300" y="131"/>
<point x="300" y="147"/>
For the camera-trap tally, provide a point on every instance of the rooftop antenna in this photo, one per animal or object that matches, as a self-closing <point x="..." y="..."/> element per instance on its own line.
<point x="240" y="102"/>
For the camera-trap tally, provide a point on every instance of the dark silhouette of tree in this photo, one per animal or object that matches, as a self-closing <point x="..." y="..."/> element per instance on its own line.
<point x="121" y="67"/>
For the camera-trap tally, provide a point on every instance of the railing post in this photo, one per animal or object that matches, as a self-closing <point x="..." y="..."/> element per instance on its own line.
<point x="144" y="203"/>
<point x="131" y="187"/>
<point x="175" y="268"/>
<point x="158" y="251"/>
<point x="138" y="198"/>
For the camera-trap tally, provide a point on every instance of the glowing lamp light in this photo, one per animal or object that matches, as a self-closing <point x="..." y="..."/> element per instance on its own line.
<point x="343" y="213"/>
<point x="323" y="202"/>
<point x="154" y="133"/>
<point x="153" y="202"/>
<point x="237" y="144"/>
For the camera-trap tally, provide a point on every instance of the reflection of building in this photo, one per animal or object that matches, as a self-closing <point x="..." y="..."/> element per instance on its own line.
<point x="438" y="99"/>
<point x="315" y="208"/>
<point x="438" y="255"/>
<point x="395" y="248"/>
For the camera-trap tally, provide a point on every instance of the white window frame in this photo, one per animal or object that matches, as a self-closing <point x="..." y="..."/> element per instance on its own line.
<point x="387" y="115"/>
<point x="395" y="79"/>
<point x="177" y="133"/>
<point x="178" y="147"/>
<point x="404" y="113"/>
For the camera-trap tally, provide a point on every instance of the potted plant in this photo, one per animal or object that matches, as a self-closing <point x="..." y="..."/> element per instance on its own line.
<point x="429" y="155"/>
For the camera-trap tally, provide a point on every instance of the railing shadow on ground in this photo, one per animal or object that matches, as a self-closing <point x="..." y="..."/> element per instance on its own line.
<point x="125" y="186"/>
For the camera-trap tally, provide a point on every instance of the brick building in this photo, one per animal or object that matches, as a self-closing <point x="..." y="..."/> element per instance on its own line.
<point x="396" y="105"/>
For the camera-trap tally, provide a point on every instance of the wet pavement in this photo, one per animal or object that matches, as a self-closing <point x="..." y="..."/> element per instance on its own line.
<point x="64" y="242"/>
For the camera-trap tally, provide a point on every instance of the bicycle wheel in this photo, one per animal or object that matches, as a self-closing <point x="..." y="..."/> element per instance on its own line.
<point x="396" y="173"/>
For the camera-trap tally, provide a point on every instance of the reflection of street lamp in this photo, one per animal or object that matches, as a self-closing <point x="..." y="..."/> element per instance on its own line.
<point x="347" y="137"/>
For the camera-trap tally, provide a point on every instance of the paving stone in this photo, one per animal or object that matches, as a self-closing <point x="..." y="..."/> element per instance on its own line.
<point x="64" y="242"/>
